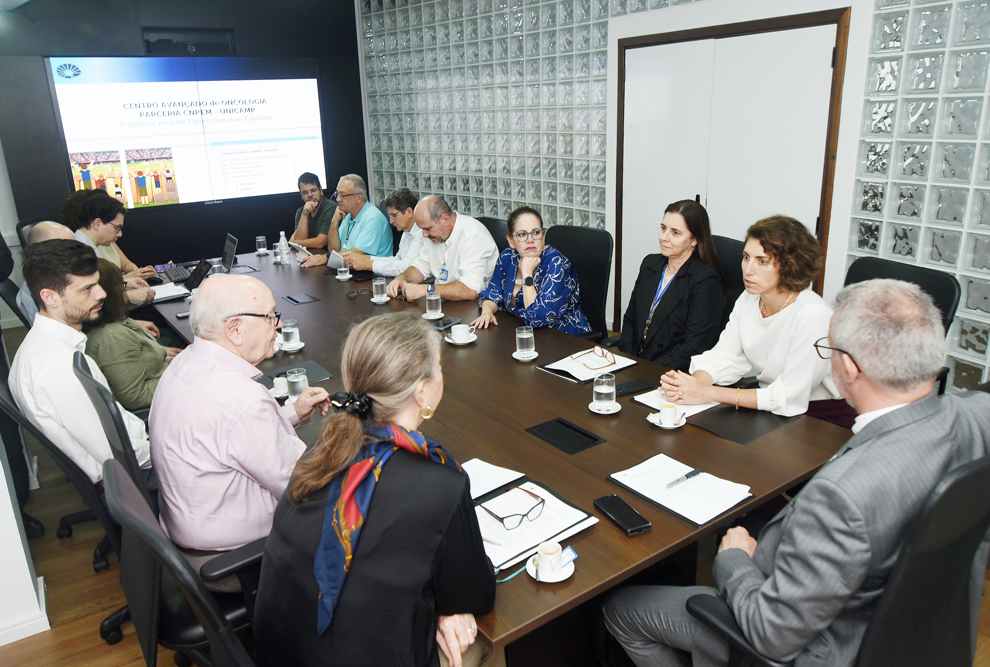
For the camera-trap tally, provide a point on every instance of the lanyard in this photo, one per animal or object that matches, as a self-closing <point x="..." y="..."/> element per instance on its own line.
<point x="661" y="289"/>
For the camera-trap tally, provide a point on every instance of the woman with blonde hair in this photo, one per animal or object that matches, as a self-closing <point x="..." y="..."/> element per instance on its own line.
<point x="375" y="546"/>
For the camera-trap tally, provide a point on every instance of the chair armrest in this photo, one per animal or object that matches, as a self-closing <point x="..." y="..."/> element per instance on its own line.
<point x="714" y="613"/>
<point x="611" y="341"/>
<point x="593" y="336"/>
<point x="232" y="562"/>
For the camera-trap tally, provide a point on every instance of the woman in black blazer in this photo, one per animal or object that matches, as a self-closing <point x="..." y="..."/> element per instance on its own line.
<point x="676" y="305"/>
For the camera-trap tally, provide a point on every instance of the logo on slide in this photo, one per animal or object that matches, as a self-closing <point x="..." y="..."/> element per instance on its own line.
<point x="68" y="71"/>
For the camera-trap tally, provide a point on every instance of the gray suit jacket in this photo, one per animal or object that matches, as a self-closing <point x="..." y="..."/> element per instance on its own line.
<point x="821" y="564"/>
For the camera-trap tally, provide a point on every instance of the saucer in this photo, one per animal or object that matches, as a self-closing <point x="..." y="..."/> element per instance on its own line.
<point x="274" y="395"/>
<point x="519" y="357"/>
<point x="427" y="316"/>
<point x="384" y="299"/>
<point x="680" y="422"/>
<point x="611" y="410"/>
<point x="343" y="278"/>
<point x="471" y="339"/>
<point x="565" y="572"/>
<point x="293" y="348"/>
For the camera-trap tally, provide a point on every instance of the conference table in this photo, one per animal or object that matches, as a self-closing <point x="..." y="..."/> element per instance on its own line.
<point x="490" y="399"/>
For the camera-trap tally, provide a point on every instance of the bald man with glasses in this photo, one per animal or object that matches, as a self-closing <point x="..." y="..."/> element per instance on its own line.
<point x="225" y="446"/>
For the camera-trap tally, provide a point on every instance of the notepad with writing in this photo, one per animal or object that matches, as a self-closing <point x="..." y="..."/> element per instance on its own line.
<point x="698" y="499"/>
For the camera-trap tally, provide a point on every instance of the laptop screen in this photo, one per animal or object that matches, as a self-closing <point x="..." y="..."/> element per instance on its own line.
<point x="229" y="252"/>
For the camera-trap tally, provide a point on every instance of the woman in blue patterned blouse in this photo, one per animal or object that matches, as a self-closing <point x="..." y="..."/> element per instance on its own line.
<point x="533" y="281"/>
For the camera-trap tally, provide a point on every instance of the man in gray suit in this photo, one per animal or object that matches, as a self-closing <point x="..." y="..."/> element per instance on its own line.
<point x="807" y="589"/>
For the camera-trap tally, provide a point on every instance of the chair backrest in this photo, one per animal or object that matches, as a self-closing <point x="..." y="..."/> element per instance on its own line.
<point x="942" y="287"/>
<point x="730" y="252"/>
<point x="923" y="617"/>
<point x="8" y="292"/>
<point x="590" y="252"/>
<point x="113" y="424"/>
<point x="147" y="552"/>
<point x="73" y="473"/>
<point x="498" y="229"/>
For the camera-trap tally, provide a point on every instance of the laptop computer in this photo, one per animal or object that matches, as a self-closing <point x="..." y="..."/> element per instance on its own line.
<point x="169" y="291"/>
<point x="229" y="253"/>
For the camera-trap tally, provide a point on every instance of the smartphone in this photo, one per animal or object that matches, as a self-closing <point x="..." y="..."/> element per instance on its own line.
<point x="182" y="316"/>
<point x="445" y="323"/>
<point x="633" y="386"/>
<point x="624" y="516"/>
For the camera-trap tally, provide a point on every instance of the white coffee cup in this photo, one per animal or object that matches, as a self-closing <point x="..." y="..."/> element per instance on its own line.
<point x="669" y="414"/>
<point x="548" y="558"/>
<point x="460" y="333"/>
<point x="281" y="386"/>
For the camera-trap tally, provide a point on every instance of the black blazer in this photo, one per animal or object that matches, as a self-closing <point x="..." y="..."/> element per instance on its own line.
<point x="688" y="317"/>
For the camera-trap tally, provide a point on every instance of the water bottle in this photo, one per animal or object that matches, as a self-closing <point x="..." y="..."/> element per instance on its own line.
<point x="283" y="244"/>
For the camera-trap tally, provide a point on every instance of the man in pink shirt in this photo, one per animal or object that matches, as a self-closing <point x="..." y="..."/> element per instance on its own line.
<point x="222" y="447"/>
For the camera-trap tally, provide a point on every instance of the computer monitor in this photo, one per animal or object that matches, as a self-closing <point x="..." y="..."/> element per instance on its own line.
<point x="229" y="253"/>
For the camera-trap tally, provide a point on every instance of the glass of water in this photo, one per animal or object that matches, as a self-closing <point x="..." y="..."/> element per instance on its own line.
<point x="344" y="272"/>
<point x="525" y="343"/>
<point x="433" y="306"/>
<point x="276" y="254"/>
<point x="378" y="289"/>
<point x="261" y="245"/>
<point x="604" y="391"/>
<point x="290" y="333"/>
<point x="297" y="382"/>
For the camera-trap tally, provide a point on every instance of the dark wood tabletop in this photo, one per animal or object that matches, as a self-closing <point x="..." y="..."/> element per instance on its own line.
<point x="489" y="401"/>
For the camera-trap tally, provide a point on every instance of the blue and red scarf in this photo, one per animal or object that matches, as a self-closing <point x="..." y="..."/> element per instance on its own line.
<point x="348" y="502"/>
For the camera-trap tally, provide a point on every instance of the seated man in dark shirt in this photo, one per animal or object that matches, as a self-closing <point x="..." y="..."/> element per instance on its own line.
<point x="313" y="218"/>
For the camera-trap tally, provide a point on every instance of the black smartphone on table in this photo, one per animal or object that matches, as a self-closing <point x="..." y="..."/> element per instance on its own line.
<point x="623" y="515"/>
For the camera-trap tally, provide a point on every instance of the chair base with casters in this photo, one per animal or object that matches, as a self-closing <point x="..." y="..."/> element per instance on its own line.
<point x="64" y="530"/>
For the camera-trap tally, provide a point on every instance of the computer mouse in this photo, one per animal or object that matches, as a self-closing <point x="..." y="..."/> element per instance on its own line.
<point x="154" y="280"/>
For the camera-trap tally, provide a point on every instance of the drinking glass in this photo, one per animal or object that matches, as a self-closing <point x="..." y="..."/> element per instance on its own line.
<point x="344" y="272"/>
<point x="378" y="288"/>
<point x="525" y="343"/>
<point x="276" y="254"/>
<point x="290" y="333"/>
<point x="433" y="305"/>
<point x="604" y="391"/>
<point x="261" y="245"/>
<point x="297" y="381"/>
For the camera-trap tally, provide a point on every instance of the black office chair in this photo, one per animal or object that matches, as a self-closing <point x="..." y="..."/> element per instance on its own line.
<point x="25" y="226"/>
<point x="923" y="616"/>
<point x="8" y="292"/>
<point x="730" y="252"/>
<point x="169" y="602"/>
<point x="942" y="287"/>
<point x="499" y="229"/>
<point x="590" y="252"/>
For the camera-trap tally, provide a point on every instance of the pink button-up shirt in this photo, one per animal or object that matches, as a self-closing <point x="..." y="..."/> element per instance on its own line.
<point x="222" y="448"/>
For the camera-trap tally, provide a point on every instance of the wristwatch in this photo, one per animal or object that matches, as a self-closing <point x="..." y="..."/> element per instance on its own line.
<point x="431" y="288"/>
<point x="528" y="281"/>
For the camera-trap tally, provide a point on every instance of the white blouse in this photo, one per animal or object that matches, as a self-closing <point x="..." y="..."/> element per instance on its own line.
<point x="779" y="349"/>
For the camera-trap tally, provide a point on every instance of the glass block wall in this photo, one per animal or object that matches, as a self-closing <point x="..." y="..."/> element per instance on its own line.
<point x="923" y="192"/>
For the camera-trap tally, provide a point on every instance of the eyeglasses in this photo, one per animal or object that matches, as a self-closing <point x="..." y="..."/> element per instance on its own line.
<point x="274" y="315"/>
<point x="353" y="293"/>
<point x="337" y="196"/>
<point x="513" y="521"/>
<point x="598" y="356"/>
<point x="825" y="351"/>
<point x="117" y="228"/>
<point x="535" y="234"/>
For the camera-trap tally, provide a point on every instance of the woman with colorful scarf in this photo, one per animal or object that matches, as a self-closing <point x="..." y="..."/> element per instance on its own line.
<point x="375" y="555"/>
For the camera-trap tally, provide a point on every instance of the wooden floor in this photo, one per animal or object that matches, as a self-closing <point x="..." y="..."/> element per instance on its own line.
<point x="79" y="598"/>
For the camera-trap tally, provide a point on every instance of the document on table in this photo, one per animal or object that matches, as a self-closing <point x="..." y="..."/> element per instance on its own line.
<point x="335" y="260"/>
<point x="698" y="499"/>
<point x="485" y="477"/>
<point x="558" y="520"/>
<point x="653" y="399"/>
<point x="167" y="291"/>
<point x="584" y="366"/>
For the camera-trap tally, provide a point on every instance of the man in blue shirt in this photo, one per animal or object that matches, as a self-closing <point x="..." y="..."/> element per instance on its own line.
<point x="356" y="224"/>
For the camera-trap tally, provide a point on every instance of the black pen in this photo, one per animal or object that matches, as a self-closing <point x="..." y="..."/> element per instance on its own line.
<point x="691" y="474"/>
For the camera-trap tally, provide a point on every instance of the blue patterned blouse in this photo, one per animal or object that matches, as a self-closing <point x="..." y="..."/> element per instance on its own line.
<point x="558" y="297"/>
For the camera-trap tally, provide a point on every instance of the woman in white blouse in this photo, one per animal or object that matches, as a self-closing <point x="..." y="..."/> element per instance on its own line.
<point x="771" y="332"/>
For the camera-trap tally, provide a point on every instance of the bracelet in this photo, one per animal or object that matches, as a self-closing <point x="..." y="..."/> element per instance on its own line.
<point x="737" y="398"/>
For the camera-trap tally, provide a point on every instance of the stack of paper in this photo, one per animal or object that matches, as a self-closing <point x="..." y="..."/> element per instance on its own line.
<point x="485" y="477"/>
<point x="653" y="399"/>
<point x="698" y="499"/>
<point x="167" y="291"/>
<point x="584" y="366"/>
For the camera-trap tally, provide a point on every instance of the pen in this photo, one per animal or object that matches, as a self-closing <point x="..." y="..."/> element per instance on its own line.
<point x="684" y="477"/>
<point x="491" y="541"/>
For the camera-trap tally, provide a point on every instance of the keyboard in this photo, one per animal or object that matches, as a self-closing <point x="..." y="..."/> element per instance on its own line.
<point x="177" y="274"/>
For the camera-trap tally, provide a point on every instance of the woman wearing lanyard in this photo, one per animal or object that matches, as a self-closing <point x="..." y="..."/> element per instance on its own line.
<point x="676" y="305"/>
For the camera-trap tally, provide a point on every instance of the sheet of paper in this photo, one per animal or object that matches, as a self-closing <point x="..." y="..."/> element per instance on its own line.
<point x="335" y="260"/>
<point x="653" y="399"/>
<point x="167" y="291"/>
<point x="505" y="547"/>
<point x="586" y="365"/>
<point x="485" y="477"/>
<point x="699" y="499"/>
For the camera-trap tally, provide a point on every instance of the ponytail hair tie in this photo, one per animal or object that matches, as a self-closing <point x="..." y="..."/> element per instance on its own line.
<point x="357" y="403"/>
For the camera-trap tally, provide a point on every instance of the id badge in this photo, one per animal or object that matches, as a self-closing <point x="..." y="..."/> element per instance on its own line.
<point x="442" y="276"/>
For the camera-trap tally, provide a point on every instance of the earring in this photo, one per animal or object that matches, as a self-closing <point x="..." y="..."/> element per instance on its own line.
<point x="426" y="413"/>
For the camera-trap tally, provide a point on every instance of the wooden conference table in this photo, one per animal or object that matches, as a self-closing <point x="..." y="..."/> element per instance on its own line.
<point x="489" y="401"/>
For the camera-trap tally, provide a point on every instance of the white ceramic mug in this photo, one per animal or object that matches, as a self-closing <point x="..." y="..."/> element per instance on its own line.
<point x="669" y="415"/>
<point x="460" y="333"/>
<point x="548" y="559"/>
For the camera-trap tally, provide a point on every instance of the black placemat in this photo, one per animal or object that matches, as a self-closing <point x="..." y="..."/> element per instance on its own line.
<point x="314" y="373"/>
<point x="565" y="436"/>
<point x="742" y="425"/>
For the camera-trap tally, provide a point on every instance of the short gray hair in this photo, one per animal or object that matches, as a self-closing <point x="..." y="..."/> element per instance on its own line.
<point x="892" y="330"/>
<point x="45" y="230"/>
<point x="436" y="207"/>
<point x="357" y="183"/>
<point x="218" y="298"/>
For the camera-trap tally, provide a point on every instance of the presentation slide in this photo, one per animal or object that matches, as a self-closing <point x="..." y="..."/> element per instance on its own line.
<point x="159" y="131"/>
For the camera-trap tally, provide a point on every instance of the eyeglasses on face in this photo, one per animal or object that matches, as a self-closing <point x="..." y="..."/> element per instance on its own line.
<point x="337" y="196"/>
<point x="274" y="315"/>
<point x="513" y="521"/>
<point x="825" y="351"/>
<point x="117" y="228"/>
<point x="535" y="234"/>
<point x="601" y="357"/>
